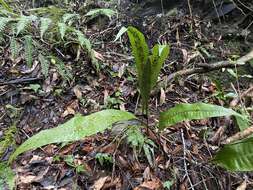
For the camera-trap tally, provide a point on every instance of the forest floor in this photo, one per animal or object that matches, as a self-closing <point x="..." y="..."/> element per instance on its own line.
<point x="30" y="103"/>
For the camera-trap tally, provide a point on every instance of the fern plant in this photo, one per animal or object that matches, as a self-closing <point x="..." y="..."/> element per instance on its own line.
<point x="3" y="23"/>
<point x="14" y="47"/>
<point x="44" y="25"/>
<point x="28" y="50"/>
<point x="148" y="65"/>
<point x="23" y="22"/>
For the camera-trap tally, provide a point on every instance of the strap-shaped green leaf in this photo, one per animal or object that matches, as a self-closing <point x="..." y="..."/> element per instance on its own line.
<point x="140" y="51"/>
<point x="182" y="112"/>
<point x="158" y="57"/>
<point x="139" y="48"/>
<point x="75" y="129"/>
<point x="237" y="156"/>
<point x="148" y="67"/>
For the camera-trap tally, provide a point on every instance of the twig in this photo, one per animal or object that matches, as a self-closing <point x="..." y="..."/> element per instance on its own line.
<point x="20" y="81"/>
<point x="248" y="92"/>
<point x="239" y="136"/>
<point x="185" y="165"/>
<point x="204" y="68"/>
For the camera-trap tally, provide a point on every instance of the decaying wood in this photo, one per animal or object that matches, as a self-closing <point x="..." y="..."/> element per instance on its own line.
<point x="239" y="136"/>
<point x="204" y="68"/>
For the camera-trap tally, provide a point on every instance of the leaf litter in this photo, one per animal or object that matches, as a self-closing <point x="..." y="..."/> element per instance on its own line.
<point x="58" y="100"/>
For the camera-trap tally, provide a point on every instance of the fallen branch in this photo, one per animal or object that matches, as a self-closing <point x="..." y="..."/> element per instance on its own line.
<point x="204" y="68"/>
<point x="247" y="93"/>
<point x="20" y="81"/>
<point x="239" y="136"/>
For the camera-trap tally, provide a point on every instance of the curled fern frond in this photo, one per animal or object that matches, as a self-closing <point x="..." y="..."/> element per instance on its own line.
<point x="28" y="50"/>
<point x="44" y="25"/>
<point x="24" y="21"/>
<point x="3" y="23"/>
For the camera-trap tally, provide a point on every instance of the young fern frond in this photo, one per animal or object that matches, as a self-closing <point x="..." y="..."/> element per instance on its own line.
<point x="68" y="17"/>
<point x="3" y="23"/>
<point x="24" y="21"/>
<point x="14" y="47"/>
<point x="83" y="41"/>
<point x="44" y="63"/>
<point x="28" y="50"/>
<point x="44" y="25"/>
<point x="62" y="29"/>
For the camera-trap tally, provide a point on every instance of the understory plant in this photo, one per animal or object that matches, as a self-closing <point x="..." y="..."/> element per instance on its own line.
<point x="236" y="156"/>
<point x="58" y="31"/>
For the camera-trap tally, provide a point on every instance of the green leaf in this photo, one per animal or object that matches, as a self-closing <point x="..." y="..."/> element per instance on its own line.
<point x="14" y="47"/>
<point x="24" y="21"/>
<point x="62" y="29"/>
<point x="69" y="16"/>
<point x="44" y="65"/>
<point x="159" y="55"/>
<point x="237" y="156"/>
<point x="148" y="67"/>
<point x="122" y="31"/>
<point x="28" y="50"/>
<point x="182" y="112"/>
<point x="242" y="122"/>
<point x="97" y="12"/>
<point x="3" y="23"/>
<point x="83" y="41"/>
<point x="7" y="177"/>
<point x="44" y="25"/>
<point x="75" y="129"/>
<point x="140" y="52"/>
<point x="6" y="6"/>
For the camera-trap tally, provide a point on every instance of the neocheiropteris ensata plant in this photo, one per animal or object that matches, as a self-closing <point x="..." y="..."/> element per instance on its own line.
<point x="148" y="63"/>
<point x="80" y="127"/>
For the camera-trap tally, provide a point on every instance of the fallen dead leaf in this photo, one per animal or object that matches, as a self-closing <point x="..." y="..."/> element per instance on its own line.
<point x="154" y="184"/>
<point x="99" y="183"/>
<point x="243" y="186"/>
<point x="99" y="56"/>
<point x="70" y="110"/>
<point x="162" y="96"/>
<point x="77" y="91"/>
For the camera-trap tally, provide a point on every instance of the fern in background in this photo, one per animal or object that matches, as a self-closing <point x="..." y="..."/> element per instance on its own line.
<point x="62" y="29"/>
<point x="28" y="50"/>
<point x="23" y="22"/>
<point x="14" y="47"/>
<point x="44" y="65"/>
<point x="61" y="68"/>
<point x="3" y="23"/>
<point x="69" y="17"/>
<point x="44" y="25"/>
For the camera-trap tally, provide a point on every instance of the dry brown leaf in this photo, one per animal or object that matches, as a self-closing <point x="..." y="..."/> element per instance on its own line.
<point x="154" y="184"/>
<point x="99" y="183"/>
<point x="77" y="91"/>
<point x="70" y="110"/>
<point x="99" y="56"/>
<point x="162" y="96"/>
<point x="243" y="186"/>
<point x="106" y="95"/>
